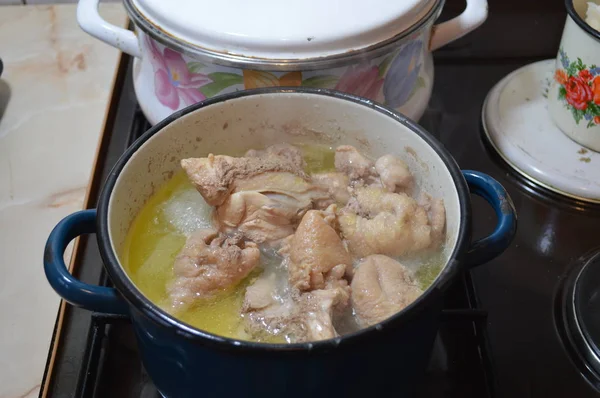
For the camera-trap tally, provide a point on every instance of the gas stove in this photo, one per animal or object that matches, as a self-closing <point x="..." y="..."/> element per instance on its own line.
<point x="503" y="330"/>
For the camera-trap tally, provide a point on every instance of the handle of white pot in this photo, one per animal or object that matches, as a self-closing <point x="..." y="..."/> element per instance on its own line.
<point x="471" y="18"/>
<point x="91" y="22"/>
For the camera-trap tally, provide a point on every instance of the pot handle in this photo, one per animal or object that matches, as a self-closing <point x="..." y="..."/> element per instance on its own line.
<point x="95" y="298"/>
<point x="471" y="18"/>
<point x="90" y="21"/>
<point x="486" y="249"/>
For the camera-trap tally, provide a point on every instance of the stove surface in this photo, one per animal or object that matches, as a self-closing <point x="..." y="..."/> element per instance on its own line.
<point x="499" y="336"/>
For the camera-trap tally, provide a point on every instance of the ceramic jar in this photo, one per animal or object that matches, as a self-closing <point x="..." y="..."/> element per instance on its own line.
<point x="187" y="51"/>
<point x="574" y="94"/>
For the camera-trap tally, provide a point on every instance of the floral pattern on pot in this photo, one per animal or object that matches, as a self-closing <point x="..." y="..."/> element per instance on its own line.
<point x="258" y="79"/>
<point x="392" y="79"/>
<point x="173" y="81"/>
<point x="579" y="89"/>
<point x="362" y="80"/>
<point x="403" y="77"/>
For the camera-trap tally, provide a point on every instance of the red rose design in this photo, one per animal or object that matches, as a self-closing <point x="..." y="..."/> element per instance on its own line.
<point x="578" y="93"/>
<point x="596" y="90"/>
<point x="585" y="75"/>
<point x="597" y="119"/>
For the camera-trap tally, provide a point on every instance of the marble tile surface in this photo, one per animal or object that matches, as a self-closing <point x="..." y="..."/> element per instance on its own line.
<point x="54" y="93"/>
<point x="53" y="1"/>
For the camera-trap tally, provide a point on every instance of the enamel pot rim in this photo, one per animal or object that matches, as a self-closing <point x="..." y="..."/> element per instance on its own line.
<point x="235" y="60"/>
<point x="580" y="21"/>
<point x="137" y="300"/>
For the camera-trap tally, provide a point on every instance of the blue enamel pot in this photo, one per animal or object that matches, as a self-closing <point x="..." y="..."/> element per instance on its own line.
<point x="187" y="362"/>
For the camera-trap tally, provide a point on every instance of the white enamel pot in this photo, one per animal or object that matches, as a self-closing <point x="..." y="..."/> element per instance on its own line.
<point x="188" y="51"/>
<point x="183" y="360"/>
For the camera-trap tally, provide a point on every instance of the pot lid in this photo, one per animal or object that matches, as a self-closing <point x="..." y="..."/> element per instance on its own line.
<point x="280" y="30"/>
<point x="586" y="303"/>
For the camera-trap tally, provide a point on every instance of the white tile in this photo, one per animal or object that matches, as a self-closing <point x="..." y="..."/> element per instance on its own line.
<point x="59" y="1"/>
<point x="49" y="1"/>
<point x="10" y="2"/>
<point x="59" y="80"/>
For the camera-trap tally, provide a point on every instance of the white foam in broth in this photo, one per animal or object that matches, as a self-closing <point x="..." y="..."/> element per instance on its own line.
<point x="187" y="211"/>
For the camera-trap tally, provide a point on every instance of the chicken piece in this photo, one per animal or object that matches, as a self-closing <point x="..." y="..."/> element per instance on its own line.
<point x="286" y="184"/>
<point x="263" y="197"/>
<point x="315" y="250"/>
<point x="313" y="320"/>
<point x="300" y="317"/>
<point x="270" y="216"/>
<point x="287" y="151"/>
<point x="260" y="294"/>
<point x="379" y="222"/>
<point x="208" y="263"/>
<point x="336" y="184"/>
<point x="215" y="177"/>
<point x="394" y="174"/>
<point x="267" y="310"/>
<point x="316" y="261"/>
<point x="269" y="206"/>
<point x="437" y="217"/>
<point x="350" y="162"/>
<point x="381" y="287"/>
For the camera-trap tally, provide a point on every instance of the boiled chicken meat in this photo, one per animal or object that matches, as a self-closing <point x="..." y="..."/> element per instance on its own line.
<point x="267" y="308"/>
<point x="320" y="224"/>
<point x="437" y="217"/>
<point x="388" y="172"/>
<point x="316" y="260"/>
<point x="336" y="183"/>
<point x="267" y="207"/>
<point x="208" y="263"/>
<point x="315" y="312"/>
<point x="352" y="163"/>
<point x="316" y="254"/>
<point x="217" y="176"/>
<point x="298" y="316"/>
<point x="379" y="222"/>
<point x="380" y="217"/>
<point x="394" y="174"/>
<point x="263" y="197"/>
<point x="262" y="293"/>
<point x="381" y="287"/>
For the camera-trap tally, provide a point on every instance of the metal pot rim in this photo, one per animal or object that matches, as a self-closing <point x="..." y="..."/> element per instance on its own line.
<point x="255" y="63"/>
<point x="580" y="21"/>
<point x="149" y="310"/>
<point x="581" y="336"/>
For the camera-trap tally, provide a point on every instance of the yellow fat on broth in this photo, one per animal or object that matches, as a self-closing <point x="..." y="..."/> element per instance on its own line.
<point x="153" y="242"/>
<point x="160" y="230"/>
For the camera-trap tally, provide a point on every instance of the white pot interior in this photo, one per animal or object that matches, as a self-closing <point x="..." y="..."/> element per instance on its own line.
<point x="256" y="121"/>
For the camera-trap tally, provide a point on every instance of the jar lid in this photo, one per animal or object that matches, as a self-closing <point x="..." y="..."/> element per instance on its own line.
<point x="280" y="30"/>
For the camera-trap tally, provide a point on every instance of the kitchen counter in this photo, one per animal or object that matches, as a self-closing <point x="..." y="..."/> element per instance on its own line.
<point x="54" y="94"/>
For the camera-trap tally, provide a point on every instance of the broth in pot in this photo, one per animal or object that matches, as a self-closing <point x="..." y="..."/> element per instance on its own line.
<point x="290" y="243"/>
